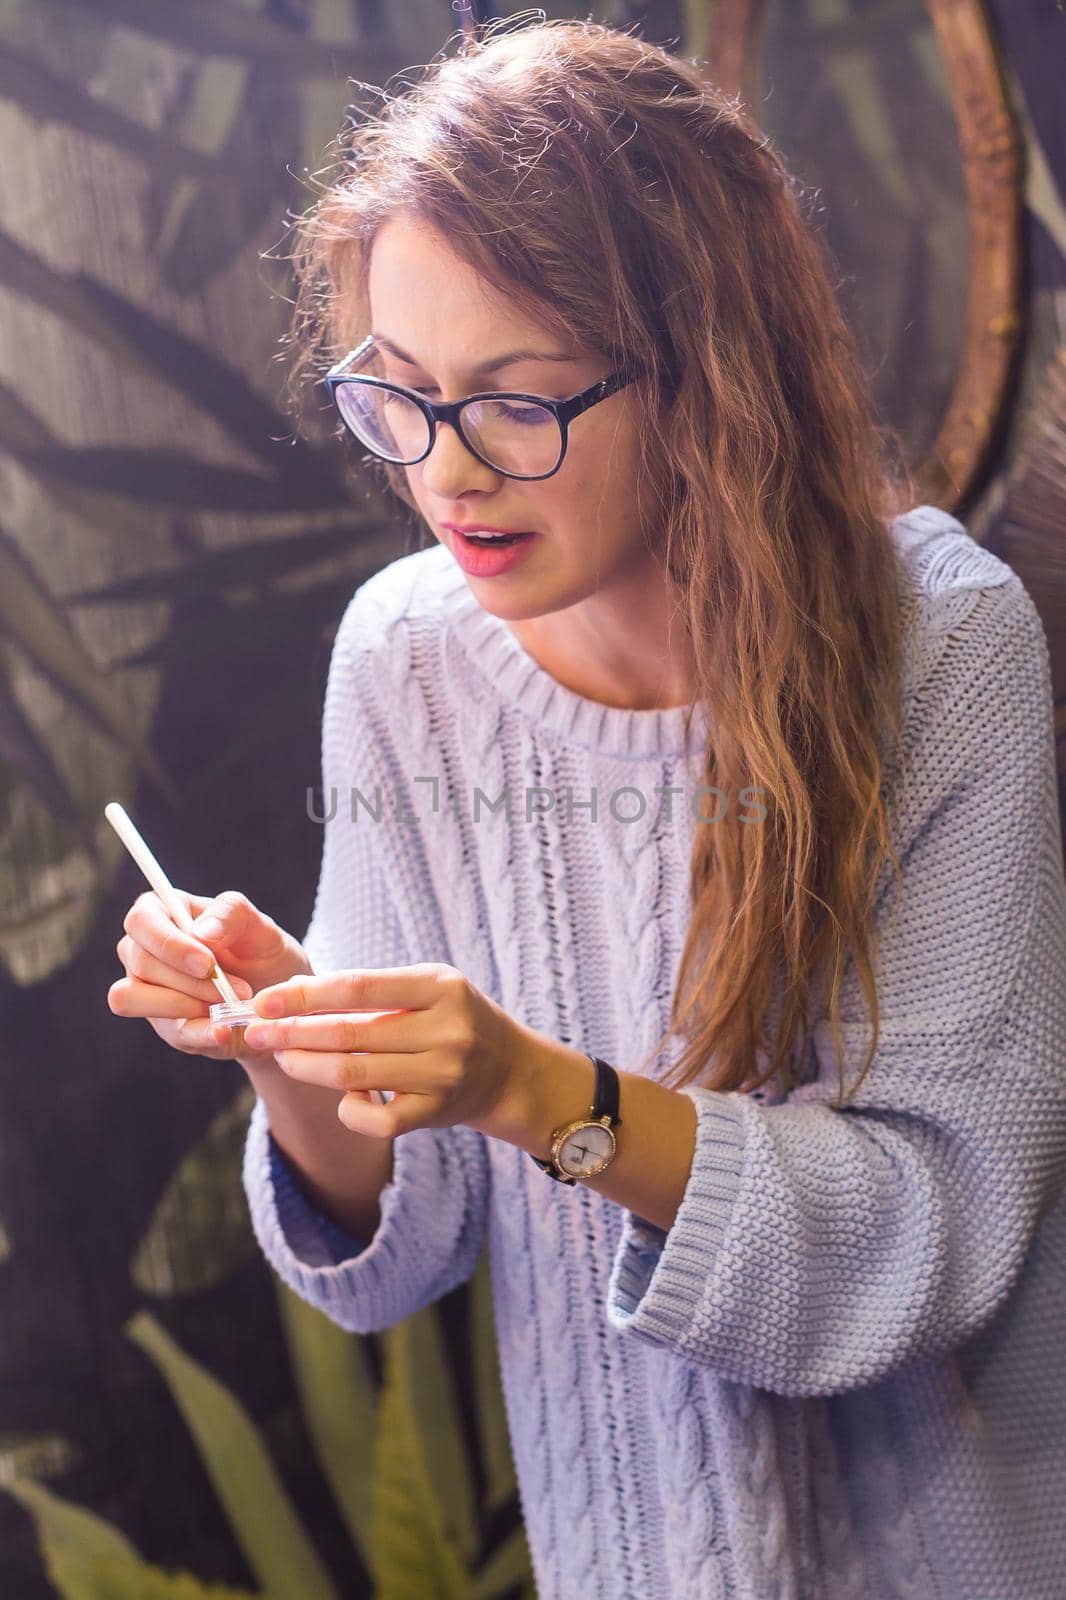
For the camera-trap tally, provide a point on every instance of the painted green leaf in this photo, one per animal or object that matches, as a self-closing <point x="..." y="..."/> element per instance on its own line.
<point x="87" y="1558"/>
<point x="307" y="475"/>
<point x="272" y="1539"/>
<point x="339" y="1401"/>
<point x="141" y="341"/>
<point x="199" y="1231"/>
<point x="25" y="752"/>
<point x="1043" y="193"/>
<point x="320" y="109"/>
<point x="500" y="1482"/>
<point x="49" y="96"/>
<point x="851" y="73"/>
<point x="218" y="27"/>
<point x="165" y="477"/>
<point x="252" y="561"/>
<point x="413" y="1555"/>
<point x="222" y="628"/>
<point x="32" y="619"/>
<point x="440" y="1426"/>
<point x="508" y="1565"/>
<point x="236" y="107"/>
<point x="697" y="29"/>
<point x="35" y="1455"/>
<point x="210" y="108"/>
<point x="21" y="427"/>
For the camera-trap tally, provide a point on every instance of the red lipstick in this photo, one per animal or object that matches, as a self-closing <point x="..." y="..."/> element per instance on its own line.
<point x="488" y="561"/>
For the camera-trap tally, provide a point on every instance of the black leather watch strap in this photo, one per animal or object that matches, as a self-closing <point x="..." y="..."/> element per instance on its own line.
<point x="605" y="1102"/>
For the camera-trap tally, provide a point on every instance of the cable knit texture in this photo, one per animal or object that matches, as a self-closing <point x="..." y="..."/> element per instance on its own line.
<point x="840" y="1375"/>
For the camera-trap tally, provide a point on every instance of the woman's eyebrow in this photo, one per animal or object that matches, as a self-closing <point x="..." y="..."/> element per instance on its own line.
<point x="494" y="364"/>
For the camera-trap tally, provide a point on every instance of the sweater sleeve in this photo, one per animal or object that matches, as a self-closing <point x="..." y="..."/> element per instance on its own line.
<point x="433" y="1210"/>
<point x="817" y="1249"/>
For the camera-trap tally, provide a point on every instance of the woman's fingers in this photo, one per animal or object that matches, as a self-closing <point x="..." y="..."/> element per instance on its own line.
<point x="198" y="1036"/>
<point x="365" y="989"/>
<point x="159" y="986"/>
<point x="406" y="1074"/>
<point x="149" y="923"/>
<point x="132" y="997"/>
<point x="139" y="963"/>
<point x="402" y="1115"/>
<point x="232" y="1040"/>
<point x="338" y="1031"/>
<point x="231" y="921"/>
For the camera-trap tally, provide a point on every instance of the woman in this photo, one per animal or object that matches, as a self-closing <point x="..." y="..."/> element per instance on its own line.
<point x="703" y="848"/>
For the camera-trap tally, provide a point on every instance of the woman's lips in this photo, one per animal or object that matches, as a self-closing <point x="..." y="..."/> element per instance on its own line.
<point x="487" y="561"/>
<point x="480" y="527"/>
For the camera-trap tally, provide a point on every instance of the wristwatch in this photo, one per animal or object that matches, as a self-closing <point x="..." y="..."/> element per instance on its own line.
<point x="586" y="1147"/>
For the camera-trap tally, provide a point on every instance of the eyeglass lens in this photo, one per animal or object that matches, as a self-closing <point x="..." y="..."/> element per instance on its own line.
<point x="516" y="436"/>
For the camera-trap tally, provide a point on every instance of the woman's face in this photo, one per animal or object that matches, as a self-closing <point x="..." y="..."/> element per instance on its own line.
<point x="452" y="322"/>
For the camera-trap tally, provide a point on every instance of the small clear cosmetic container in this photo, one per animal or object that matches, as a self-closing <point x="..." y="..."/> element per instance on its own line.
<point x="244" y="1012"/>
<point x="238" y="1016"/>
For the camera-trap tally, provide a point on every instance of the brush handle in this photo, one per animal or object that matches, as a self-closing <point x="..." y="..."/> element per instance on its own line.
<point x="157" y="878"/>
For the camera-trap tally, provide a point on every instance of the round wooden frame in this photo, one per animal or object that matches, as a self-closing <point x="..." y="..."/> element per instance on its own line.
<point x="991" y="150"/>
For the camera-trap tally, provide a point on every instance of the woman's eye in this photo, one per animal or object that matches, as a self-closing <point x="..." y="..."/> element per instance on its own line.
<point x="524" y="413"/>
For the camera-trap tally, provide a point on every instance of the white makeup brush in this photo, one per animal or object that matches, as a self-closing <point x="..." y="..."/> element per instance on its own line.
<point x="138" y="849"/>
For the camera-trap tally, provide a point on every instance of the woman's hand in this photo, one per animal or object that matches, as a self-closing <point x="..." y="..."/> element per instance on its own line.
<point x="448" y="1053"/>
<point x="161" y="985"/>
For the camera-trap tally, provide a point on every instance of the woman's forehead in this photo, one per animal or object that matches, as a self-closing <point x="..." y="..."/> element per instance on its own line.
<point x="429" y="305"/>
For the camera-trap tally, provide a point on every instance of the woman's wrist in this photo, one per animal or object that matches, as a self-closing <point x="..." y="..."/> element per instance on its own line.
<point x="340" y="1172"/>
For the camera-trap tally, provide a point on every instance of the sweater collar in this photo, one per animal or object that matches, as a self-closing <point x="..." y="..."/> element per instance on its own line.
<point x="513" y="675"/>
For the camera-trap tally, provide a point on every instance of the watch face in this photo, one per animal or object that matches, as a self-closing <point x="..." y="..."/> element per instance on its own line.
<point x="586" y="1150"/>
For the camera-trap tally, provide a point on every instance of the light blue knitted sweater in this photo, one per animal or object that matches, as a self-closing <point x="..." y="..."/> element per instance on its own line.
<point x="841" y="1375"/>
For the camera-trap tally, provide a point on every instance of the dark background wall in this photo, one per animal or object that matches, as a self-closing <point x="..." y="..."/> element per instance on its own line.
<point x="172" y="566"/>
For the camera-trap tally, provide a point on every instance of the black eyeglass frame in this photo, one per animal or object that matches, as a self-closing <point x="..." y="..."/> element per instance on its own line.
<point x="436" y="411"/>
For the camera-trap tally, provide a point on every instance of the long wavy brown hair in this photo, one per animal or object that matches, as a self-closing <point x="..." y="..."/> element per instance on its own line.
<point x="632" y="206"/>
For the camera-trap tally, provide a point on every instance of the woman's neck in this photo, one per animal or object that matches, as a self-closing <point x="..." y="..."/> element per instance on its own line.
<point x="639" y="662"/>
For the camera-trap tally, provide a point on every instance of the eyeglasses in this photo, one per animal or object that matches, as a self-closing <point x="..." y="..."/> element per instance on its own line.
<point x="518" y="435"/>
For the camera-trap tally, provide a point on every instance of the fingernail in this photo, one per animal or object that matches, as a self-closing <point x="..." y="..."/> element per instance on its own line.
<point x="206" y="927"/>
<point x="258" y="1035"/>
<point x="200" y="963"/>
<point x="272" y="1005"/>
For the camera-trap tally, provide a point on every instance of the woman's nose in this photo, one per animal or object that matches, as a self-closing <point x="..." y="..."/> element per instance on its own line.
<point x="450" y="468"/>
